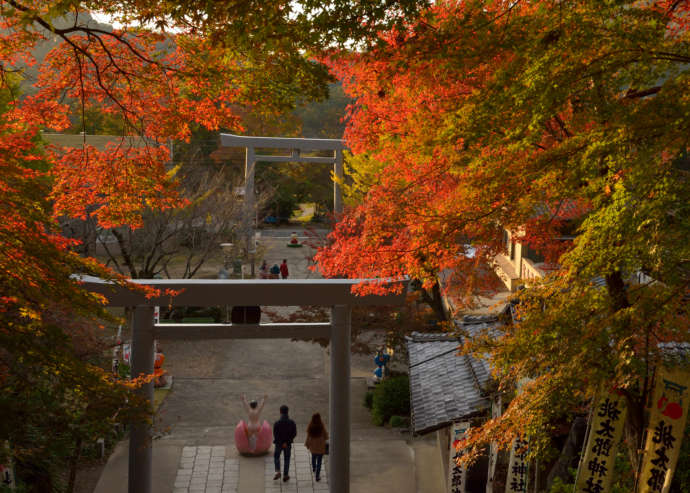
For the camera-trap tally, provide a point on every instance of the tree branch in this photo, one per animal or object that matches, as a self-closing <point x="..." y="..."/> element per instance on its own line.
<point x="129" y="262"/>
<point x="86" y="30"/>
<point x="632" y="94"/>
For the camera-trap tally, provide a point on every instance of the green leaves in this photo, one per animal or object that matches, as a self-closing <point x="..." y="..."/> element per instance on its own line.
<point x="548" y="120"/>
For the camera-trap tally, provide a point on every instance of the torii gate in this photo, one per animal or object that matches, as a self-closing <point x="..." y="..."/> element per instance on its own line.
<point x="336" y="293"/>
<point x="296" y="147"/>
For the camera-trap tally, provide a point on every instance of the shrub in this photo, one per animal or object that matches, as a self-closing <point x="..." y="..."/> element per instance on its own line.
<point x="398" y="421"/>
<point x="559" y="486"/>
<point x="123" y="370"/>
<point x="369" y="399"/>
<point x="391" y="397"/>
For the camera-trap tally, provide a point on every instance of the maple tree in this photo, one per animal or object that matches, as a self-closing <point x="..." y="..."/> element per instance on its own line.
<point x="215" y="57"/>
<point x="53" y="394"/>
<point x="491" y="115"/>
<point x="176" y="242"/>
<point x="171" y="68"/>
<point x="51" y="343"/>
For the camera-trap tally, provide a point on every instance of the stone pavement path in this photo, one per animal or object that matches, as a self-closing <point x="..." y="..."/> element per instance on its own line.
<point x="301" y="476"/>
<point x="205" y="469"/>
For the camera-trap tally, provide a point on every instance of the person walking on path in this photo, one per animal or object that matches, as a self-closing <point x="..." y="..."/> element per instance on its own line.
<point x="284" y="432"/>
<point x="316" y="443"/>
<point x="284" y="269"/>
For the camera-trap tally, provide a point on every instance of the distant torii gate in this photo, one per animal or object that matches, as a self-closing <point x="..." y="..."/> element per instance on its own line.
<point x="335" y="293"/>
<point x="296" y="148"/>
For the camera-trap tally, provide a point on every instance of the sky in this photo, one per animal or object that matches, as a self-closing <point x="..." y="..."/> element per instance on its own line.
<point x="105" y="19"/>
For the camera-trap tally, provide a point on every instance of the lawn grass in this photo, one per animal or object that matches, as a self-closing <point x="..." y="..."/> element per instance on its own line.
<point x="304" y="214"/>
<point x="159" y="396"/>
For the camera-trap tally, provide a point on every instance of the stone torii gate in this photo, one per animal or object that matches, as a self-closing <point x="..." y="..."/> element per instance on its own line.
<point x="296" y="148"/>
<point x="336" y="293"/>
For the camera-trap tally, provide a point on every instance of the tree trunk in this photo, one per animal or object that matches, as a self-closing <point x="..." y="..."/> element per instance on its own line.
<point x="435" y="301"/>
<point x="571" y="449"/>
<point x="438" y="307"/>
<point x="73" y="463"/>
<point x="616" y="288"/>
<point x="634" y="432"/>
<point x="127" y="258"/>
<point x="634" y="424"/>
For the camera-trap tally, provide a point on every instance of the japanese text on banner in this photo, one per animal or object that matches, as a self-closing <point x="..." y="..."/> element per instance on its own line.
<point x="457" y="474"/>
<point x="517" y="467"/>
<point x="605" y="431"/>
<point x="667" y="419"/>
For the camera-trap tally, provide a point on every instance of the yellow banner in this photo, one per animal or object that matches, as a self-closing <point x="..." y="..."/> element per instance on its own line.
<point x="667" y="419"/>
<point x="605" y="429"/>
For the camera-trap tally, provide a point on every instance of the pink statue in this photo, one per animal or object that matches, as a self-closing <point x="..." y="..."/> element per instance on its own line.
<point x="252" y="437"/>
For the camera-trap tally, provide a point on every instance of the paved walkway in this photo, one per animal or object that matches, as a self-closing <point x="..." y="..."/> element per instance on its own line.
<point x="207" y="469"/>
<point x="302" y="478"/>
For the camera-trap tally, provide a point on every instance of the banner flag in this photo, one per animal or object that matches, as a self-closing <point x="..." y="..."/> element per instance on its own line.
<point x="6" y="470"/>
<point x="493" y="452"/>
<point x="667" y="419"/>
<point x="605" y="430"/>
<point x="517" y="467"/>
<point x="457" y="474"/>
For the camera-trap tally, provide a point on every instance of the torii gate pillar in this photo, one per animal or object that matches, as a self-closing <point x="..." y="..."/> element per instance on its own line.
<point x="337" y="182"/>
<point x="140" y="446"/>
<point x="339" y="402"/>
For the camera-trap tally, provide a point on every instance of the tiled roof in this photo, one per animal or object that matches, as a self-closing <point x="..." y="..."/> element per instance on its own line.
<point x="675" y="351"/>
<point x="565" y="209"/>
<point x="98" y="141"/>
<point x="445" y="387"/>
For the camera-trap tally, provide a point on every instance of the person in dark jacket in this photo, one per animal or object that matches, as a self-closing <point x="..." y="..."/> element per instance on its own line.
<point x="284" y="432"/>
